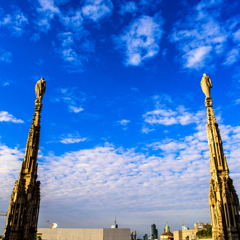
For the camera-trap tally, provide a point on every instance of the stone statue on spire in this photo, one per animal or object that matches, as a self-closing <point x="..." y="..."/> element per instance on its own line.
<point x="206" y="84"/>
<point x="40" y="89"/>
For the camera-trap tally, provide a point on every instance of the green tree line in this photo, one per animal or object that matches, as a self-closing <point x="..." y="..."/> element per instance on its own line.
<point x="205" y="233"/>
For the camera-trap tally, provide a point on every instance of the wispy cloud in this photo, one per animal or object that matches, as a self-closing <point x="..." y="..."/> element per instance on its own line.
<point x="67" y="48"/>
<point x="202" y="36"/>
<point x="7" y="117"/>
<point x="74" y="43"/>
<point x="47" y="10"/>
<point x="5" y="56"/>
<point x="232" y="56"/>
<point x="236" y="36"/>
<point x="5" y="82"/>
<point x="166" y="116"/>
<point x="72" y="97"/>
<point x="147" y="130"/>
<point x="128" y="177"/>
<point x="97" y="9"/>
<point x="15" y="22"/>
<point x="73" y="20"/>
<point x="10" y="160"/>
<point x="124" y="122"/>
<point x="74" y="48"/>
<point x="140" y="40"/>
<point x="72" y="138"/>
<point x="128" y="7"/>
<point x="76" y="109"/>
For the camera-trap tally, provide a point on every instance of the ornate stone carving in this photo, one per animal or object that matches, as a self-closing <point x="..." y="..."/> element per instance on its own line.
<point x="24" y="204"/>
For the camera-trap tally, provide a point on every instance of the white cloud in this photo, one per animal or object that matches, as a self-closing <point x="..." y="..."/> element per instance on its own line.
<point x="72" y="139"/>
<point x="47" y="10"/>
<point x="67" y="49"/>
<point x="204" y="4"/>
<point x="73" y="20"/>
<point x="7" y="117"/>
<point x="201" y="36"/>
<point x="10" y="160"/>
<point x="76" y="109"/>
<point x="140" y="40"/>
<point x="232" y="56"/>
<point x="128" y="7"/>
<point x="97" y="9"/>
<point x="167" y="117"/>
<point x="195" y="58"/>
<point x="74" y="48"/>
<point x="236" y="36"/>
<point x="72" y="97"/>
<point x="147" y="130"/>
<point x="5" y="56"/>
<point x="124" y="122"/>
<point x="68" y="41"/>
<point x="48" y="6"/>
<point x="15" y="22"/>
<point x="128" y="178"/>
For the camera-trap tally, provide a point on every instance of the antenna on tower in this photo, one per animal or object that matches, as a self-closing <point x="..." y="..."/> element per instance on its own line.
<point x="115" y="223"/>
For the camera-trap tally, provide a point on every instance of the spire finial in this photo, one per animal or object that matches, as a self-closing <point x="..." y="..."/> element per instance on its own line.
<point x="206" y="85"/>
<point x="40" y="89"/>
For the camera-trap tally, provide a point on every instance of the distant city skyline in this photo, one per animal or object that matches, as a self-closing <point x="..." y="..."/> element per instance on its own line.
<point x="123" y="125"/>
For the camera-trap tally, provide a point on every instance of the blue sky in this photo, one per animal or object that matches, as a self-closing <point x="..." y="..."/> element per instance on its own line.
<point x="123" y="128"/>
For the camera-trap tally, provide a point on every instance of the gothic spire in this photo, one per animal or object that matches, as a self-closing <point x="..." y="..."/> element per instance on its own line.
<point x="24" y="204"/>
<point x="223" y="199"/>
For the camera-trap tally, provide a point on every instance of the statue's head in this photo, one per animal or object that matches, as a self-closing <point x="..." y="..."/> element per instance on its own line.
<point x="42" y="78"/>
<point x="204" y="74"/>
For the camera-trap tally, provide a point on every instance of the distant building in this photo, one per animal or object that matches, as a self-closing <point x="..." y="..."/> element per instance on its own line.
<point x="84" y="234"/>
<point x="167" y="235"/>
<point x="154" y="232"/>
<point x="145" y="237"/>
<point x="115" y="224"/>
<point x="185" y="234"/>
<point x="184" y="228"/>
<point x="200" y="225"/>
<point x="190" y="234"/>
